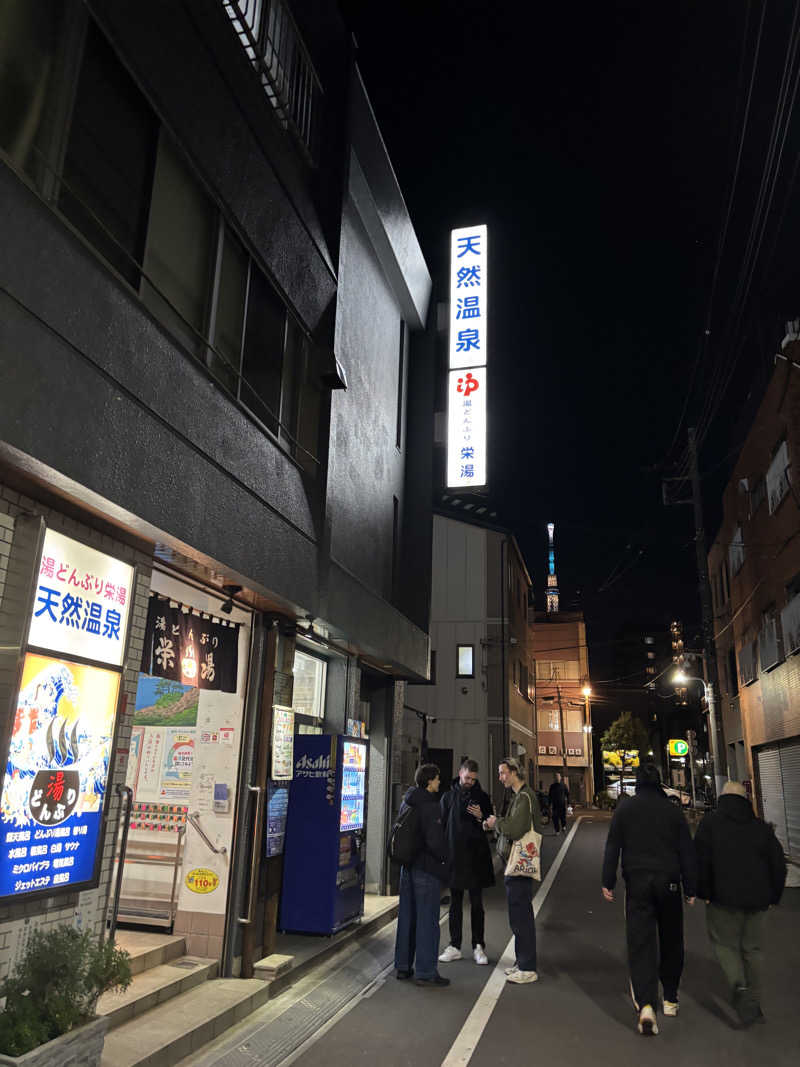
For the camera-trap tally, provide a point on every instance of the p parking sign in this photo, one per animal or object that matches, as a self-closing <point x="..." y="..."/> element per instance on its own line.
<point x="678" y="747"/>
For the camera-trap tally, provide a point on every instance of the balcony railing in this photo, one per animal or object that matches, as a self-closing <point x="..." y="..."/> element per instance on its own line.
<point x="270" y="38"/>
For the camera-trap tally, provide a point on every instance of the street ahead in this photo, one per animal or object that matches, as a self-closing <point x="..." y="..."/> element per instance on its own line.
<point x="578" y="1012"/>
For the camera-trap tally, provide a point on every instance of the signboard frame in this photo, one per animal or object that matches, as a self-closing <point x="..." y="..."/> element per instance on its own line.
<point x="7" y="727"/>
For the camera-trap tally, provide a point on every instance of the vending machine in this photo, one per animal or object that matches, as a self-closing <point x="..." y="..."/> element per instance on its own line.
<point x="324" y="854"/>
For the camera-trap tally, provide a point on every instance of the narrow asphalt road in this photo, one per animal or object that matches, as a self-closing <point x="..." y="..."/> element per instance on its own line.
<point x="578" y="1013"/>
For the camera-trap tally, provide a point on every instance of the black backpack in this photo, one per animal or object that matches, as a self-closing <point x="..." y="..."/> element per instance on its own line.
<point x="405" y="838"/>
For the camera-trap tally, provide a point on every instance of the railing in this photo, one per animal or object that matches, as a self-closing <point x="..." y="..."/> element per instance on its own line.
<point x="193" y="818"/>
<point x="269" y="36"/>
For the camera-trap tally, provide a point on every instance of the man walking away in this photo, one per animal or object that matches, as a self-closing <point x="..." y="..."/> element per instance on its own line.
<point x="741" y="872"/>
<point x="657" y="858"/>
<point x="421" y="885"/>
<point x="559" y="799"/>
<point x="464" y="807"/>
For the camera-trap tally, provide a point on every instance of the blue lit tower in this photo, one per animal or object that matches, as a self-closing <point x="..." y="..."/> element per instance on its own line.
<point x="552" y="581"/>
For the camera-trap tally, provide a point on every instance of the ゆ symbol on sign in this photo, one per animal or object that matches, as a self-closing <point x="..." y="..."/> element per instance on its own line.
<point x="467" y="385"/>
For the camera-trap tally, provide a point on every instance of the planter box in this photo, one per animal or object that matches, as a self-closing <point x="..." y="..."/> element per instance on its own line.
<point x="81" y="1047"/>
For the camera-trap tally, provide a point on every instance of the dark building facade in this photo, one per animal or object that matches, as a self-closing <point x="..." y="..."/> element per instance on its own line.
<point x="213" y="315"/>
<point x="754" y="568"/>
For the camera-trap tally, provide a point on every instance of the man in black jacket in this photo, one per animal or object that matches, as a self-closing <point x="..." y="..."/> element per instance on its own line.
<point x="741" y="873"/>
<point x="558" y="796"/>
<point x="657" y="857"/>
<point x="417" y="942"/>
<point x="464" y="807"/>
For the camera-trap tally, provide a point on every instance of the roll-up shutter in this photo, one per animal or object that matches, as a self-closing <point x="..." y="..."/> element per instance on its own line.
<point x="790" y="773"/>
<point x="770" y="790"/>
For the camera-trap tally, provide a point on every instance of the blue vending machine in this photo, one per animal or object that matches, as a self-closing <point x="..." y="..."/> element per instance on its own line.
<point x="323" y="860"/>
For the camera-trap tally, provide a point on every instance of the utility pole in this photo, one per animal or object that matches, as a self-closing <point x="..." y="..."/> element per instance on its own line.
<point x="704" y="586"/>
<point x="563" y="735"/>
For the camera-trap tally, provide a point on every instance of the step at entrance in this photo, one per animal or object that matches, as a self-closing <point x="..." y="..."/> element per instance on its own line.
<point x="155" y="986"/>
<point x="175" y="1029"/>
<point x="149" y="949"/>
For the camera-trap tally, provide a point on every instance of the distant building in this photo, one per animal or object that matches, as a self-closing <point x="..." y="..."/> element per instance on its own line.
<point x="480" y="700"/>
<point x="754" y="568"/>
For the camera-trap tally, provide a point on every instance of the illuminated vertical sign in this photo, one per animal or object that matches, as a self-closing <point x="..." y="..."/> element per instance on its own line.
<point x="467" y="359"/>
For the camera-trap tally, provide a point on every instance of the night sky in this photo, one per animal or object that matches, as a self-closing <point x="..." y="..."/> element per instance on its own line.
<point x="598" y="141"/>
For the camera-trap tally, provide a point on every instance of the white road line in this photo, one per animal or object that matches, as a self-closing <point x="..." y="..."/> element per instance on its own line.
<point x="471" y="1032"/>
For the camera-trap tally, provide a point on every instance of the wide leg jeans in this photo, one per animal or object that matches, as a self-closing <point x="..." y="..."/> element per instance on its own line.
<point x="417" y="944"/>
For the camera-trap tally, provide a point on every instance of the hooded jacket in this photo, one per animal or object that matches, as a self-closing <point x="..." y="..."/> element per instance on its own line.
<point x="470" y="855"/>
<point x="432" y="857"/>
<point x="653" y="837"/>
<point x="740" y="860"/>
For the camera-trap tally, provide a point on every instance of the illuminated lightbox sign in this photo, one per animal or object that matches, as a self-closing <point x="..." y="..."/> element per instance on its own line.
<point x="468" y="297"/>
<point x="54" y="786"/>
<point x="466" y="428"/>
<point x="678" y="747"/>
<point x="82" y="601"/>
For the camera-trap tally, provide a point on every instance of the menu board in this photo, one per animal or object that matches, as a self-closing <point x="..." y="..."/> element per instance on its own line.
<point x="282" y="744"/>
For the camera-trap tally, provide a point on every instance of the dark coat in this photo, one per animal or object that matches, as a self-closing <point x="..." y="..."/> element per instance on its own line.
<point x="433" y="855"/>
<point x="653" y="837"/>
<point x="558" y="795"/>
<point x="739" y="859"/>
<point x="470" y="855"/>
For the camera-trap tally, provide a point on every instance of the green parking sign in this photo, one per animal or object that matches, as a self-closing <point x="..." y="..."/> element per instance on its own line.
<point x="678" y="747"/>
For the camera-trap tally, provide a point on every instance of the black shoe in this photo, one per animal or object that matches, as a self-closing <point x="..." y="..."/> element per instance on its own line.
<point x="747" y="1007"/>
<point x="403" y="975"/>
<point x="436" y="980"/>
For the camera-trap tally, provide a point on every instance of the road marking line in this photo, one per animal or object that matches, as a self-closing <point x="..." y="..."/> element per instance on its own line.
<point x="470" y="1034"/>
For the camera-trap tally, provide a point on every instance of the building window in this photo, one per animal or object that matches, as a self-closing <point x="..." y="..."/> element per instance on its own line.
<point x="651" y="655"/>
<point x="650" y="670"/>
<point x="733" y="674"/>
<point x="736" y="551"/>
<point x="465" y="661"/>
<point x="309" y="685"/>
<point x="433" y="666"/>
<point x="778" y="477"/>
<point x="758" y="495"/>
<point x="724" y="585"/>
<point x="395" y="546"/>
<point x="107" y="173"/>
<point x="180" y="244"/>
<point x="649" y="640"/>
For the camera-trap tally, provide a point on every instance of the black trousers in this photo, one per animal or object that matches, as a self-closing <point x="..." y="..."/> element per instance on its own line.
<point x="457" y="916"/>
<point x="654" y="928"/>
<point x="559" y="816"/>
<point x="519" y="892"/>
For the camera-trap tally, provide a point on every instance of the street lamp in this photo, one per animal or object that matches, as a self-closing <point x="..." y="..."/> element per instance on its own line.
<point x="587" y="729"/>
<point x="680" y="679"/>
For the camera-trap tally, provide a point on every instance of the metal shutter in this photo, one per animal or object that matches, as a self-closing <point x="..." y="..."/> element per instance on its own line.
<point x="790" y="773"/>
<point x="770" y="788"/>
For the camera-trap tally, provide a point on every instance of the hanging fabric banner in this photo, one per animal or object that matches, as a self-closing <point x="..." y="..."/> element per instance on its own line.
<point x="187" y="647"/>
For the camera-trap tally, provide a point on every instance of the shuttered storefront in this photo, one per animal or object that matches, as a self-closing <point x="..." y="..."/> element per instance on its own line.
<point x="778" y="769"/>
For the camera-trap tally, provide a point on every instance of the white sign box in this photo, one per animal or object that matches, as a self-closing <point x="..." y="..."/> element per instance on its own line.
<point x="468" y="297"/>
<point x="466" y="428"/>
<point x="82" y="601"/>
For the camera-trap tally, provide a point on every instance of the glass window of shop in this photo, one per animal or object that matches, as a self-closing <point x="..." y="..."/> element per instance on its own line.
<point x="310" y="673"/>
<point x="183" y="761"/>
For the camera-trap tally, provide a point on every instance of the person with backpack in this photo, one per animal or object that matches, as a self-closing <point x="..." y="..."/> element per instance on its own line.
<point x="741" y="873"/>
<point x="464" y="807"/>
<point x="417" y="841"/>
<point x="523" y="814"/>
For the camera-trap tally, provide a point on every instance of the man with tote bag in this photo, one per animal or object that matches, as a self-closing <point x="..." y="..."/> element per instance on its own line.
<point x="520" y="831"/>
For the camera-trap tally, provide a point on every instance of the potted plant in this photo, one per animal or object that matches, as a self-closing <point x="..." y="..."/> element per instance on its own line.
<point x="50" y="1000"/>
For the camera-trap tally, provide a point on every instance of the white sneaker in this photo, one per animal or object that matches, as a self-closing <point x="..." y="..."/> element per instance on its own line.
<point x="450" y="953"/>
<point x="671" y="1007"/>
<point x="647" y="1021"/>
<point x="479" y="955"/>
<point x="522" y="977"/>
<point x="510" y="970"/>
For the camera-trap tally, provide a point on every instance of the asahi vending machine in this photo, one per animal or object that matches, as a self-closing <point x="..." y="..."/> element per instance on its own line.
<point x="324" y="853"/>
